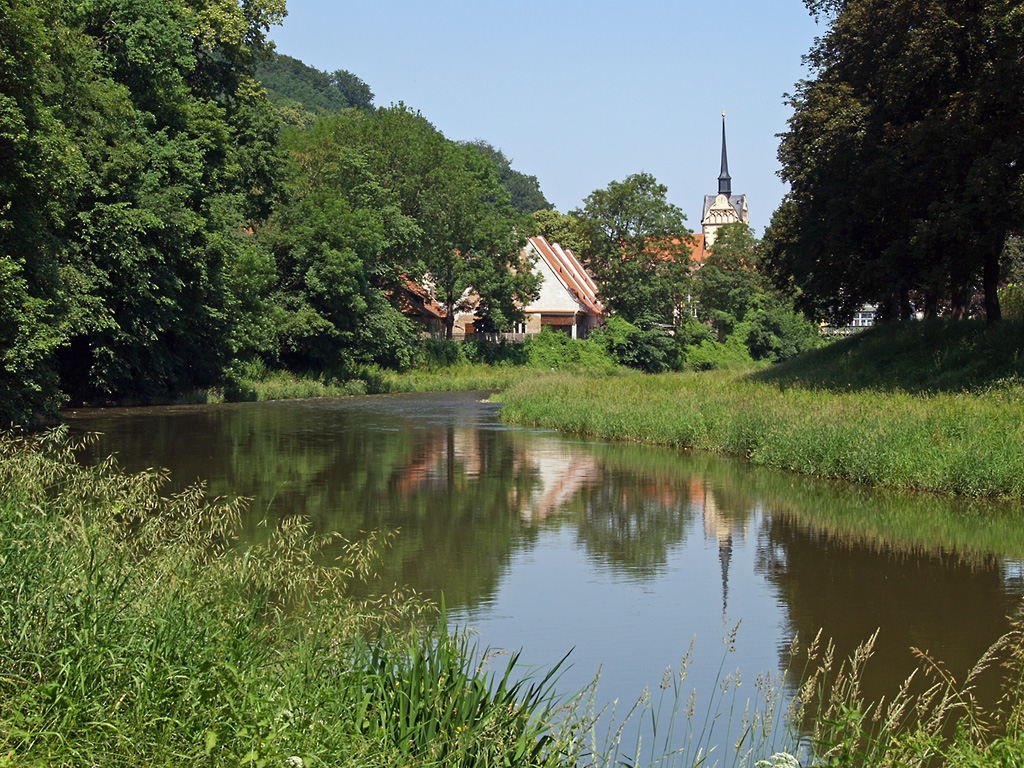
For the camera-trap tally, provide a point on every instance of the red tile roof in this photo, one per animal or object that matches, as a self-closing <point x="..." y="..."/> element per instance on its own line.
<point x="570" y="272"/>
<point x="413" y="298"/>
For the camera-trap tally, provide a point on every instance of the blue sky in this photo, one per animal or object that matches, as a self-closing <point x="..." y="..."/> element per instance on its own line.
<point x="579" y="94"/>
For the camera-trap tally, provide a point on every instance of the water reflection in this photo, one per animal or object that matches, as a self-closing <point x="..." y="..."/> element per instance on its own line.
<point x="625" y="553"/>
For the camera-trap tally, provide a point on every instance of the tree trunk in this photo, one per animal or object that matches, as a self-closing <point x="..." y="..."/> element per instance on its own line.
<point x="990" y="282"/>
<point x="958" y="299"/>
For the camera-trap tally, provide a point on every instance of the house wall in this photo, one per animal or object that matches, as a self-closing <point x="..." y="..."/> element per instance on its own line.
<point x="553" y="297"/>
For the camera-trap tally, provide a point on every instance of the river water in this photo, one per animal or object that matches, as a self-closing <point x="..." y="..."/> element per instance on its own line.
<point x="623" y="555"/>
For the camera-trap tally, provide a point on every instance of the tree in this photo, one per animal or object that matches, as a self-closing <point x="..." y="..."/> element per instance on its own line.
<point x="566" y="229"/>
<point x="638" y="248"/>
<point x="40" y="173"/>
<point x="523" y="191"/>
<point x="740" y="305"/>
<point x="904" y="156"/>
<point x="473" y="240"/>
<point x="177" y="147"/>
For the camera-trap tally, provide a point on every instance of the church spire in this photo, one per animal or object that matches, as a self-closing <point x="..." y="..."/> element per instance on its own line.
<point x="724" y="179"/>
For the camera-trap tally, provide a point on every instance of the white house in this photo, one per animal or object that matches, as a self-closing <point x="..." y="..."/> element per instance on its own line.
<point x="568" y="295"/>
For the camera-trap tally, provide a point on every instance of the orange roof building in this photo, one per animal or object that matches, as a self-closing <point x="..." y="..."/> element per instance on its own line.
<point x="568" y="295"/>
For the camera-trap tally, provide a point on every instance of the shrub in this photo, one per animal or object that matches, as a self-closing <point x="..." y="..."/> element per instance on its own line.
<point x="441" y="353"/>
<point x="713" y="355"/>
<point x="556" y="351"/>
<point x="651" y="351"/>
<point x="1011" y="301"/>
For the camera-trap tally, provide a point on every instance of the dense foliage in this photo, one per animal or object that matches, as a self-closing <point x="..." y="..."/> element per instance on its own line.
<point x="636" y="244"/>
<point x="160" y="227"/>
<point x="302" y="94"/>
<point x="135" y="146"/>
<point x="904" y="157"/>
<point x="741" y="305"/>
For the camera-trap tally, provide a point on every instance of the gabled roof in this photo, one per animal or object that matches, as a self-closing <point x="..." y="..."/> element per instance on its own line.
<point x="570" y="273"/>
<point x="414" y="299"/>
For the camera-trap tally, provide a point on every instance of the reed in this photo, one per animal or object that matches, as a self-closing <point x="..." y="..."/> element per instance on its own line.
<point x="135" y="630"/>
<point x="956" y="443"/>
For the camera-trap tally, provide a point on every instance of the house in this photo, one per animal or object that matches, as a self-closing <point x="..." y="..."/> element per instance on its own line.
<point x="568" y="295"/>
<point x="416" y="303"/>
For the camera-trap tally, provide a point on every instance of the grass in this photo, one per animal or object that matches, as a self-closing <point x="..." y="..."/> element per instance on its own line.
<point x="259" y="383"/>
<point x="134" y="630"/>
<point x="925" y="357"/>
<point x="961" y="434"/>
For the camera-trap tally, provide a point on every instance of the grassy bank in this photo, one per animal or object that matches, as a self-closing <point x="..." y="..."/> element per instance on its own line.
<point x="960" y="436"/>
<point x="134" y="631"/>
<point x="286" y="385"/>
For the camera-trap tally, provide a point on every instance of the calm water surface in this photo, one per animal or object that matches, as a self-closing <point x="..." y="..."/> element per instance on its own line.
<point x="623" y="554"/>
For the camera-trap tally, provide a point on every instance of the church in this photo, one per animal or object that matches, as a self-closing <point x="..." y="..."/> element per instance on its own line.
<point x="725" y="207"/>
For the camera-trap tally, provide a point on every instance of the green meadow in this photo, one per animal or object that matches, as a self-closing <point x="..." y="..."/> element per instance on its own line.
<point x="935" y="407"/>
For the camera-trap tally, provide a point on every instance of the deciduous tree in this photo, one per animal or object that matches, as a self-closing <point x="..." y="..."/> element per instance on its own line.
<point x="905" y="156"/>
<point x="638" y="248"/>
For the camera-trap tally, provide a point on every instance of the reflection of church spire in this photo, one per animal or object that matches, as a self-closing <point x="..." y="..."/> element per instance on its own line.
<point x="715" y="524"/>
<point x="724" y="556"/>
<point x="724" y="179"/>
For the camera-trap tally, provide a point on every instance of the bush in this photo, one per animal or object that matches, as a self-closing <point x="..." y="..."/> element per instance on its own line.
<point x="651" y="351"/>
<point x="713" y="355"/>
<point x="500" y="352"/>
<point x="556" y="351"/>
<point x="1011" y="301"/>
<point x="441" y="353"/>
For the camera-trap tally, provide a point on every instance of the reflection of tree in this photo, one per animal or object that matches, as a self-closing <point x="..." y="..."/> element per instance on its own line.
<point x="935" y="602"/>
<point x="839" y="557"/>
<point x="456" y="492"/>
<point x="631" y="523"/>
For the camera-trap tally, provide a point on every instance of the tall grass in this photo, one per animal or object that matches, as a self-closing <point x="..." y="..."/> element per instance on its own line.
<point x="958" y="443"/>
<point x="134" y="632"/>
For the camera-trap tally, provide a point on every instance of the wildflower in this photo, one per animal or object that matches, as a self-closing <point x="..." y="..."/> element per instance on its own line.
<point x="779" y="760"/>
<point x="294" y="762"/>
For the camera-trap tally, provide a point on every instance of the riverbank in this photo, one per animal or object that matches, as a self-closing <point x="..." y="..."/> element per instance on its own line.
<point x="136" y="631"/>
<point x="848" y="411"/>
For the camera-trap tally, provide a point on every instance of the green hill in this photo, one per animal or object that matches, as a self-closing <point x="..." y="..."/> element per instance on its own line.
<point x="918" y="356"/>
<point x="302" y="93"/>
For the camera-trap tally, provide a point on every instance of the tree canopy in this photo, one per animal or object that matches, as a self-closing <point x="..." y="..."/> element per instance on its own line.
<point x="904" y="156"/>
<point x="638" y="247"/>
<point x="740" y="305"/>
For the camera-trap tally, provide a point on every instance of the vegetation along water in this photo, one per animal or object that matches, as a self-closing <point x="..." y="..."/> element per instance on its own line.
<point x="185" y="215"/>
<point x="925" y="407"/>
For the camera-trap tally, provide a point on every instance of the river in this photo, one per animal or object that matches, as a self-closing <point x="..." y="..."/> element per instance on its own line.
<point x="624" y="555"/>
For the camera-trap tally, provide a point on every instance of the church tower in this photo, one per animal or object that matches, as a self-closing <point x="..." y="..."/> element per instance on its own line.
<point x="725" y="207"/>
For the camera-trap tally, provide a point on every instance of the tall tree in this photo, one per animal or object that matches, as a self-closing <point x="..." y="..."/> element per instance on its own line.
<point x="40" y="173"/>
<point x="178" y="143"/>
<point x="905" y="156"/>
<point x="523" y="191"/>
<point x="638" y="248"/>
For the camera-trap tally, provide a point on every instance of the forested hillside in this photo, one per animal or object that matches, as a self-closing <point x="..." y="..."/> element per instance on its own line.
<point x="164" y="219"/>
<point x="302" y="93"/>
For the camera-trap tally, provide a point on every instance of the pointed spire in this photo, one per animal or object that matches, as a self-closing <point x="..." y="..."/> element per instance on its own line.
<point x="724" y="179"/>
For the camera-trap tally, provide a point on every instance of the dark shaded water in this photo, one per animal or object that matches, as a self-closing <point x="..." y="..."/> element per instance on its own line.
<point x="623" y="554"/>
